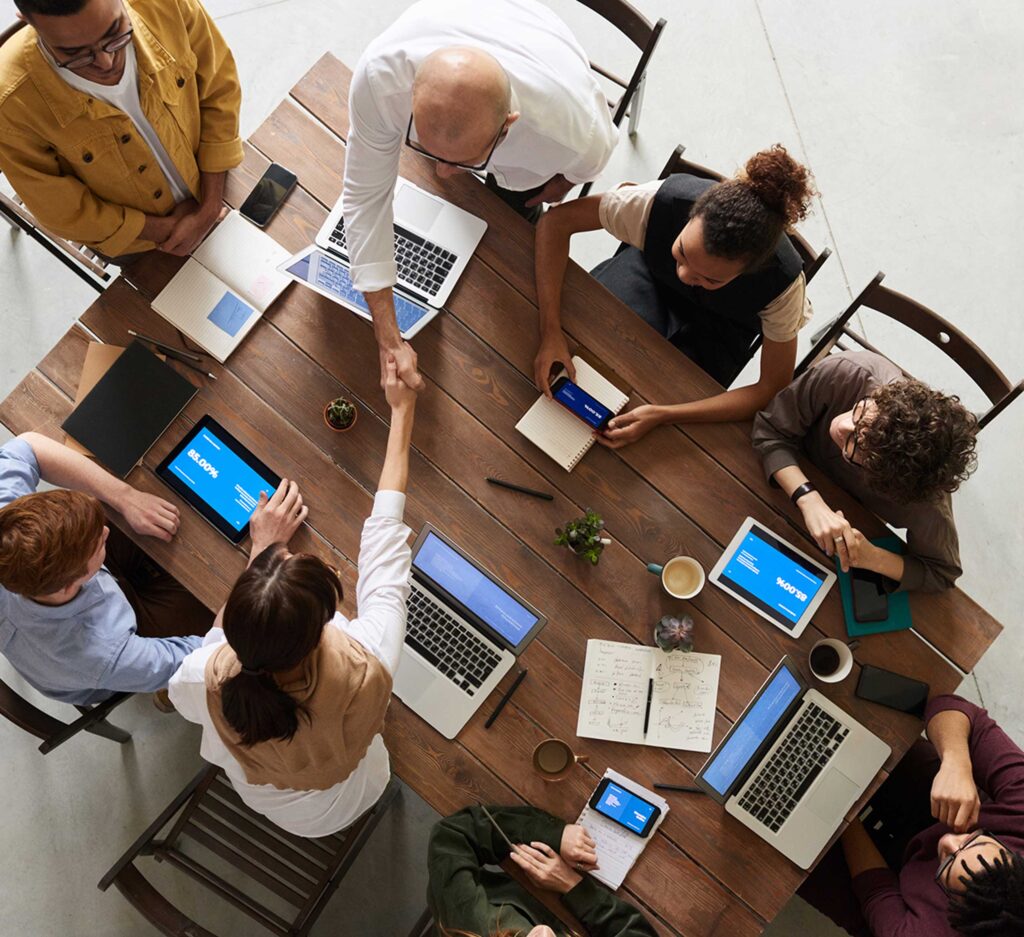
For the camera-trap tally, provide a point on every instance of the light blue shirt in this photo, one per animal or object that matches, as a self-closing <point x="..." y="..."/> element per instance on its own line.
<point x="85" y="650"/>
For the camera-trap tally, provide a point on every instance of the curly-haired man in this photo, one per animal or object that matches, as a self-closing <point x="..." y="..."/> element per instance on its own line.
<point x="897" y="445"/>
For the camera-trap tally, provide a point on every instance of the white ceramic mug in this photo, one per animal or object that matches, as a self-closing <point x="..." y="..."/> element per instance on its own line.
<point x="842" y="671"/>
<point x="684" y="564"/>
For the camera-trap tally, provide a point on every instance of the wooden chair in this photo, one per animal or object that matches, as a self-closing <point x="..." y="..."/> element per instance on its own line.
<point x="644" y="35"/>
<point x="51" y="730"/>
<point x="82" y="260"/>
<point x="929" y="325"/>
<point x="303" y="873"/>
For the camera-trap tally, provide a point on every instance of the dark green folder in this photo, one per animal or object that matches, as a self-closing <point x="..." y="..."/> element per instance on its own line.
<point x="899" y="602"/>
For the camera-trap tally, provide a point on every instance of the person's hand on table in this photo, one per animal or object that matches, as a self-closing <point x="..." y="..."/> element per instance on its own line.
<point x="276" y="519"/>
<point x="954" y="796"/>
<point x="399" y="395"/>
<point x="628" y="427"/>
<point x="830" y="530"/>
<point x="553" y="351"/>
<point x="191" y="227"/>
<point x="555" y="189"/>
<point x="578" y="849"/>
<point x="406" y="363"/>
<point x="149" y="515"/>
<point x="545" y="868"/>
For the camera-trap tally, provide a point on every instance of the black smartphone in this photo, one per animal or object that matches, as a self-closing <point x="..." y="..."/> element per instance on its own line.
<point x="625" y="808"/>
<point x="268" y="195"/>
<point x="893" y="690"/>
<point x="870" y="600"/>
<point x="580" y="403"/>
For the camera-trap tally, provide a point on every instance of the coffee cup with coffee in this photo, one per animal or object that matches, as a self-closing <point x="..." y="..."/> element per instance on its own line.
<point x="553" y="759"/>
<point x="830" y="660"/>
<point x="682" y="577"/>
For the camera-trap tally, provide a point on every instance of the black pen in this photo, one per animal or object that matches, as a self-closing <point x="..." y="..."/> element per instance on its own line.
<point x="178" y="353"/>
<point x="677" y="787"/>
<point x="647" y="711"/>
<point x="501" y="703"/>
<point x="526" y="491"/>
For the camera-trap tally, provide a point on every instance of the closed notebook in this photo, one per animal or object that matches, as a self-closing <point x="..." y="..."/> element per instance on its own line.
<point x="560" y="434"/>
<point x="129" y="409"/>
<point x="898" y="618"/>
<point x="224" y="288"/>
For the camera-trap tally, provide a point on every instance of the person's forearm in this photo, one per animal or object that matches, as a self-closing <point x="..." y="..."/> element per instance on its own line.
<point x="860" y="851"/>
<point x="551" y="257"/>
<point x="385" y="323"/>
<point x="950" y="733"/>
<point x="790" y="478"/>
<point x="211" y="187"/>
<point x="157" y="228"/>
<point x="884" y="562"/>
<point x="65" y="468"/>
<point x="395" y="474"/>
<point x="739" y="404"/>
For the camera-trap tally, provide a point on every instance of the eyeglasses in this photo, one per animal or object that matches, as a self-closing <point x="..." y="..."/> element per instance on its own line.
<point x="413" y="145"/>
<point x="972" y="840"/>
<point x="860" y="408"/>
<point x="110" y="47"/>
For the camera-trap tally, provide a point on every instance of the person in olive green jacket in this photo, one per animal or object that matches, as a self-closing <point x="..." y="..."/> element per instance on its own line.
<point x="468" y="900"/>
<point x="119" y="121"/>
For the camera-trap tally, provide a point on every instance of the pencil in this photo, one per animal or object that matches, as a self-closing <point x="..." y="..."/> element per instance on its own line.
<point x="677" y="787"/>
<point x="169" y="349"/>
<point x="501" y="703"/>
<point x="526" y="491"/>
<point x="188" y="364"/>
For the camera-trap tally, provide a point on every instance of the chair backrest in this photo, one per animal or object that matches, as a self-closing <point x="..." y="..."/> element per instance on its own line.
<point x="932" y="327"/>
<point x="11" y="30"/>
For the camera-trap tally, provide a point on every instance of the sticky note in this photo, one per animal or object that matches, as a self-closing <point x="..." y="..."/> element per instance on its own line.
<point x="230" y="314"/>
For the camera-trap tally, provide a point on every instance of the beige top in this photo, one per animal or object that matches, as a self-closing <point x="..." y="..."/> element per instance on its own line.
<point x="624" y="213"/>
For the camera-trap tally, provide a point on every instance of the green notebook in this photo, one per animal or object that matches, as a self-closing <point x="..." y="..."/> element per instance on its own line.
<point x="899" y="602"/>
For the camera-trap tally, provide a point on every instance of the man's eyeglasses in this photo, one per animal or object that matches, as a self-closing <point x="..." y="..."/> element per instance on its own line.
<point x="414" y="145"/>
<point x="860" y="408"/>
<point x="972" y="840"/>
<point x="110" y="47"/>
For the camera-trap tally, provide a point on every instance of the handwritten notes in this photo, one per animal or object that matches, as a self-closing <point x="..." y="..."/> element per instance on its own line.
<point x="614" y="698"/>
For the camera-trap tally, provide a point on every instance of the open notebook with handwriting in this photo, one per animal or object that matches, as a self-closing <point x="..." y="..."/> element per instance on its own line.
<point x="683" y="689"/>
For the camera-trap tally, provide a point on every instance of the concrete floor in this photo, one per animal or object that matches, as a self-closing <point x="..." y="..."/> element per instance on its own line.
<point x="907" y="116"/>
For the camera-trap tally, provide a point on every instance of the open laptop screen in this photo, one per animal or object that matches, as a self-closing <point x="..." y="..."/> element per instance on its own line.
<point x="457" y="576"/>
<point x="756" y="724"/>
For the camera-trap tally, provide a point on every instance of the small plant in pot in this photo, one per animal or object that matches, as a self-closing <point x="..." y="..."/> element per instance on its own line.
<point x="583" y="536"/>
<point x="340" y="414"/>
<point x="674" y="633"/>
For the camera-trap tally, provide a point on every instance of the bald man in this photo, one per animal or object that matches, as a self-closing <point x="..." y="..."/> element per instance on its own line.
<point x="510" y="93"/>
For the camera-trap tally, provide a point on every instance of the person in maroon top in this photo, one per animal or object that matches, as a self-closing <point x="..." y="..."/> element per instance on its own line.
<point x="961" y="875"/>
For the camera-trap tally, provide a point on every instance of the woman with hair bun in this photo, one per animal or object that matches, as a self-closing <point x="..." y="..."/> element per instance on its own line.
<point x="291" y="696"/>
<point x="706" y="264"/>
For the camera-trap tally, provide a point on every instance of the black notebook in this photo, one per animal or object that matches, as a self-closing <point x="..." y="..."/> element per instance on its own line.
<point x="128" y="409"/>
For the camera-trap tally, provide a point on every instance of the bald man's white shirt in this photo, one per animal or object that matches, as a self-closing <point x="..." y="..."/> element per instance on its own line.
<point x="565" y="124"/>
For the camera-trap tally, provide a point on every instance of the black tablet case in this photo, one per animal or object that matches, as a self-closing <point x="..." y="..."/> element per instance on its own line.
<point x="128" y="409"/>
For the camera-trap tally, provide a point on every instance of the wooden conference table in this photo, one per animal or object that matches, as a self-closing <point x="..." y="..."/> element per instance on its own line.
<point x="680" y="490"/>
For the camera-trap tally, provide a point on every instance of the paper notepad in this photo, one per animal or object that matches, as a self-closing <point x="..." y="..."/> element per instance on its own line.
<point x="616" y="679"/>
<point x="227" y="284"/>
<point x="563" y="436"/>
<point x="617" y="848"/>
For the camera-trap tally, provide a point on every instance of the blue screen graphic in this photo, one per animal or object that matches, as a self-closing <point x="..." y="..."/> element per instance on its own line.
<point x="485" y="598"/>
<point x="780" y="584"/>
<point x="582" y="404"/>
<point x="753" y="728"/>
<point x="625" y="807"/>
<point x="328" y="274"/>
<point x="220" y="478"/>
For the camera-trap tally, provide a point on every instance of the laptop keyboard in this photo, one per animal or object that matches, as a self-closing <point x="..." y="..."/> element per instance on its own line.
<point x="446" y="643"/>
<point x="784" y="779"/>
<point x="421" y="263"/>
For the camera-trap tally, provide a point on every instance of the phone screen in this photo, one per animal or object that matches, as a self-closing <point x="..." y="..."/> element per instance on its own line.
<point x="624" y="807"/>
<point x="268" y="194"/>
<point x="892" y="690"/>
<point x="580" y="403"/>
<point x="870" y="600"/>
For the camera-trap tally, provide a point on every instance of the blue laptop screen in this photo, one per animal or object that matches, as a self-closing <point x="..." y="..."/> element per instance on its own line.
<point x="755" y="725"/>
<point x="476" y="591"/>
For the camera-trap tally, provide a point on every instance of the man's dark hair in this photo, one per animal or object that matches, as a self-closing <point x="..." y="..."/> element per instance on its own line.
<point x="30" y="8"/>
<point x="992" y="904"/>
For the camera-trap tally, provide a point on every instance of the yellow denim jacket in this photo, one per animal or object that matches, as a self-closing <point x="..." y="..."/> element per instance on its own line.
<point x="79" y="164"/>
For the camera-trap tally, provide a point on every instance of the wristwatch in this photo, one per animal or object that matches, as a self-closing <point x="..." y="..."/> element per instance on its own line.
<point x="801" y="490"/>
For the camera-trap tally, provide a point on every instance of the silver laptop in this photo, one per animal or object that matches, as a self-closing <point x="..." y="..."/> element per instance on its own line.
<point x="464" y="632"/>
<point x="792" y="766"/>
<point x="434" y="240"/>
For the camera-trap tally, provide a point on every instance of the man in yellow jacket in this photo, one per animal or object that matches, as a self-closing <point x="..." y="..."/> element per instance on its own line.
<point x="119" y="121"/>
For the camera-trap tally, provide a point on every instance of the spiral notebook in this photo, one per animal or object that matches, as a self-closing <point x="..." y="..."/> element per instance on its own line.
<point x="560" y="434"/>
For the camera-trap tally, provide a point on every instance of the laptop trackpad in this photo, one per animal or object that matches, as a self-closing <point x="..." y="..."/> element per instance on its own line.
<point x="416" y="209"/>
<point x="832" y="797"/>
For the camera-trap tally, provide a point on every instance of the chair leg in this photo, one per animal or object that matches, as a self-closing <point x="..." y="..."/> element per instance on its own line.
<point x="423" y="922"/>
<point x="108" y="731"/>
<point x="636" y="106"/>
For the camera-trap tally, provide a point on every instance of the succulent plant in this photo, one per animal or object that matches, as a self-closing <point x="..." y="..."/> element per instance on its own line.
<point x="340" y="413"/>
<point x="674" y="633"/>
<point x="583" y="536"/>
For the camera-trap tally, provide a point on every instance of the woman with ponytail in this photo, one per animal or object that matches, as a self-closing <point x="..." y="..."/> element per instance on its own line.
<point x="706" y="264"/>
<point x="291" y="696"/>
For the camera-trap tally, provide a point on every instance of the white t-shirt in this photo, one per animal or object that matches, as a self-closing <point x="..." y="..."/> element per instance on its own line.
<point x="125" y="97"/>
<point x="381" y="595"/>
<point x="565" y="124"/>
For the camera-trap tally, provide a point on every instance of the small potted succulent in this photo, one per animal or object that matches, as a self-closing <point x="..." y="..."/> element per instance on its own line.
<point x="340" y="414"/>
<point x="583" y="536"/>
<point x="674" y="633"/>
